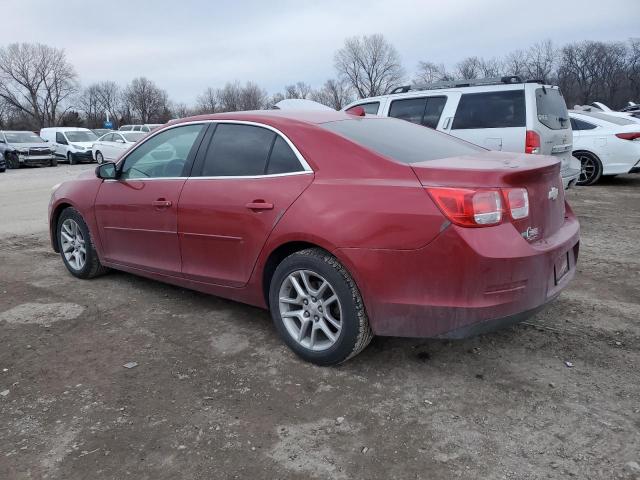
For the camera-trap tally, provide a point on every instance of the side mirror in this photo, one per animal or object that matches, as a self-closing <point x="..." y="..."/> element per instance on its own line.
<point x="107" y="171"/>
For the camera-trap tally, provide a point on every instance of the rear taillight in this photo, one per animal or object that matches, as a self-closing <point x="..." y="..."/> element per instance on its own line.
<point x="469" y="207"/>
<point x="518" y="202"/>
<point x="532" y="142"/>
<point x="628" y="135"/>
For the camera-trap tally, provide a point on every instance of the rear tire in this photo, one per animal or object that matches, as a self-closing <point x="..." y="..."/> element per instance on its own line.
<point x="590" y="168"/>
<point x="76" y="246"/>
<point x="317" y="308"/>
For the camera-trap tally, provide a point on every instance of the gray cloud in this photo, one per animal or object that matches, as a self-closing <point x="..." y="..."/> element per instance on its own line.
<point x="187" y="45"/>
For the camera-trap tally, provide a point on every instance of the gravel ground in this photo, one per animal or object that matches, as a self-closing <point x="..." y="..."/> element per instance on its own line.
<point x="215" y="394"/>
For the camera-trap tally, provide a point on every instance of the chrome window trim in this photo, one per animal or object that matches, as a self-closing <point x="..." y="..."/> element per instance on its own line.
<point x="306" y="167"/>
<point x="246" y="177"/>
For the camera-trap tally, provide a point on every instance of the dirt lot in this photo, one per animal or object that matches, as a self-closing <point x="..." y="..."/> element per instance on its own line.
<point x="217" y="395"/>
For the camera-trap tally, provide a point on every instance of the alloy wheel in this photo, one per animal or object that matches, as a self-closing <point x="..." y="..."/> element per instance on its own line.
<point x="73" y="244"/>
<point x="310" y="310"/>
<point x="99" y="157"/>
<point x="588" y="168"/>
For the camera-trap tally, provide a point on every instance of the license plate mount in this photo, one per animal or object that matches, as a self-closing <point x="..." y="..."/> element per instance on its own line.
<point x="561" y="267"/>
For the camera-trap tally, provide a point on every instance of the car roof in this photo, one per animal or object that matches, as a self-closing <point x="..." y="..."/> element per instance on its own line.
<point x="273" y="117"/>
<point x="66" y="129"/>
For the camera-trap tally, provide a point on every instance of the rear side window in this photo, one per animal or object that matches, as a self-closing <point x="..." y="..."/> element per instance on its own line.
<point x="402" y="141"/>
<point x="423" y="111"/>
<point x="552" y="109"/>
<point x="490" y="110"/>
<point x="238" y="151"/>
<point x="580" y="125"/>
<point x="282" y="159"/>
<point x="370" y="108"/>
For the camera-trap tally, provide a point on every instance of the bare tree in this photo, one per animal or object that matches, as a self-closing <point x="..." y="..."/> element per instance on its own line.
<point x="229" y="97"/>
<point x="299" y="90"/>
<point x="429" y="72"/>
<point x="252" y="97"/>
<point x="36" y="80"/>
<point x="89" y="103"/>
<point x="110" y="99"/>
<point x="207" y="101"/>
<point x="469" y="68"/>
<point x="147" y="101"/>
<point x="334" y="93"/>
<point x="633" y="68"/>
<point x="540" y="61"/>
<point x="181" y="110"/>
<point x="370" y="64"/>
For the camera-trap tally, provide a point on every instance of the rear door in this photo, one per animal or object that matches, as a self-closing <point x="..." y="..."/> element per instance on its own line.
<point x="245" y="178"/>
<point x="495" y="119"/>
<point x="137" y="213"/>
<point x="550" y="118"/>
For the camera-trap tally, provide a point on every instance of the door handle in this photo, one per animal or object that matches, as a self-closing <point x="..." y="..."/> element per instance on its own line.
<point x="162" y="203"/>
<point x="259" y="205"/>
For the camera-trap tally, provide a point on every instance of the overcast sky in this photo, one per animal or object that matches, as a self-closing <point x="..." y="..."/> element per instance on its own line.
<point x="186" y="45"/>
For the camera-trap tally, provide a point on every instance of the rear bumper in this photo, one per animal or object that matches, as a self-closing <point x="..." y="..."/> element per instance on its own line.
<point x="464" y="282"/>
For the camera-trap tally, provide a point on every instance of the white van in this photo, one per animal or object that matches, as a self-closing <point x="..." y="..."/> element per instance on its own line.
<point x="504" y="113"/>
<point x="72" y="144"/>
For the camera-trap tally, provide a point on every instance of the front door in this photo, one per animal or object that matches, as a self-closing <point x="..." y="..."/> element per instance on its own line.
<point x="243" y="183"/>
<point x="137" y="213"/>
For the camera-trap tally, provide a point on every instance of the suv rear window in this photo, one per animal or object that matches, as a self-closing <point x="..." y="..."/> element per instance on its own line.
<point x="369" y="108"/>
<point x="490" y="110"/>
<point x="552" y="109"/>
<point x="400" y="140"/>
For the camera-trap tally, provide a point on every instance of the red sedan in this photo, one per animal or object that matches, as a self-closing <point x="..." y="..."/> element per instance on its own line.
<point x="344" y="227"/>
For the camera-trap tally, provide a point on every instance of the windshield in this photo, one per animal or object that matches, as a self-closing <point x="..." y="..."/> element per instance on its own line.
<point x="400" y="140"/>
<point x="81" y="136"/>
<point x="22" y="137"/>
<point x="133" y="136"/>
<point x="552" y="109"/>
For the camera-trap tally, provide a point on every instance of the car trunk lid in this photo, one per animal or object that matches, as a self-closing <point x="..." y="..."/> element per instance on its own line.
<point x="540" y="175"/>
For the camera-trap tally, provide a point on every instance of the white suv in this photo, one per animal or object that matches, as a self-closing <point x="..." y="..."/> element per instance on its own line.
<point x="496" y="113"/>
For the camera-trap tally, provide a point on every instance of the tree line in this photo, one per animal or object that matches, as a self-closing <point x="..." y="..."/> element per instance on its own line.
<point x="39" y="87"/>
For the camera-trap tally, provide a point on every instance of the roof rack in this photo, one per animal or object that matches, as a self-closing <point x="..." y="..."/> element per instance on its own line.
<point x="509" y="79"/>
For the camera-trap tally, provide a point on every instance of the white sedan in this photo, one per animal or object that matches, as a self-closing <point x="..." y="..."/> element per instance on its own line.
<point x="605" y="145"/>
<point x="109" y="147"/>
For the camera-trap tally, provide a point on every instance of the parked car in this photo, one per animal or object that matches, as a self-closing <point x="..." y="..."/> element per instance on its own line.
<point x="112" y="145"/>
<point x="605" y="145"/>
<point x="382" y="227"/>
<point x="147" y="127"/>
<point x="25" y="148"/>
<point x="596" y="108"/>
<point x="101" y="131"/>
<point x="504" y="114"/>
<point x="72" y="144"/>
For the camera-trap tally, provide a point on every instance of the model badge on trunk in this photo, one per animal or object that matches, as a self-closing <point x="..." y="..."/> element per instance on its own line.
<point x="531" y="233"/>
<point x="553" y="193"/>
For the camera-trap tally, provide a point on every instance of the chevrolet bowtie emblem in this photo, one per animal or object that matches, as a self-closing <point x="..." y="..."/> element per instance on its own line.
<point x="553" y="193"/>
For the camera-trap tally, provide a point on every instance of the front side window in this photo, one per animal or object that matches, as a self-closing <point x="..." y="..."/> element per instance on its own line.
<point x="133" y="136"/>
<point x="402" y="141"/>
<point x="106" y="138"/>
<point x="490" y="110"/>
<point x="60" y="138"/>
<point x="423" y="111"/>
<point x="163" y="155"/>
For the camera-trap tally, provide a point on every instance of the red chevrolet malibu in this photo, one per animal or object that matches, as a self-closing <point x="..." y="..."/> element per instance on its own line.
<point x="344" y="227"/>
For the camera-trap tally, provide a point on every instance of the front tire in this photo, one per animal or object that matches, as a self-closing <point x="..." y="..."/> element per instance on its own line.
<point x="71" y="158"/>
<point x="53" y="162"/>
<point x="99" y="157"/>
<point x="76" y="246"/>
<point x="590" y="168"/>
<point x="12" y="161"/>
<point x="317" y="308"/>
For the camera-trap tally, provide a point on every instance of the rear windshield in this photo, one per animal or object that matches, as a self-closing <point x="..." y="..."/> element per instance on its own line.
<point x="133" y="136"/>
<point x="609" y="118"/>
<point x="400" y="140"/>
<point x="552" y="109"/>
